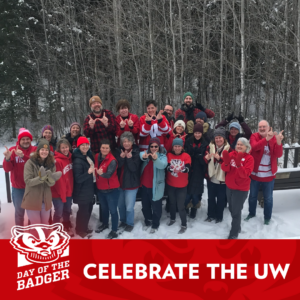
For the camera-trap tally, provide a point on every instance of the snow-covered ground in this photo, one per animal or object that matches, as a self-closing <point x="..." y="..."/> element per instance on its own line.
<point x="285" y="221"/>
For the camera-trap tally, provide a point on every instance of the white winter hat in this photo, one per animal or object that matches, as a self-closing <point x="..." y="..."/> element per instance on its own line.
<point x="179" y="123"/>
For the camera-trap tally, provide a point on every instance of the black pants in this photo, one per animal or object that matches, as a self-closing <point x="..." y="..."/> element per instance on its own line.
<point x="152" y="210"/>
<point x="177" y="196"/>
<point x="216" y="200"/>
<point x="236" y="200"/>
<point x="83" y="216"/>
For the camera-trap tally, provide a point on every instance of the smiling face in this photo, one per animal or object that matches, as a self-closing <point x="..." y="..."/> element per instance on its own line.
<point x="44" y="152"/>
<point x="199" y="121"/>
<point x="127" y="144"/>
<point x="179" y="129"/>
<point x="240" y="147"/>
<point x="151" y="110"/>
<point x="124" y="111"/>
<point x="234" y="131"/>
<point x="104" y="149"/>
<point x="263" y="128"/>
<point x="154" y="148"/>
<point x="25" y="142"/>
<point x="84" y="148"/>
<point x="188" y="100"/>
<point x="96" y="108"/>
<point x="177" y="149"/>
<point x="197" y="135"/>
<point x="47" y="135"/>
<point x="219" y="140"/>
<point x="169" y="110"/>
<point x="75" y="130"/>
<point x="64" y="149"/>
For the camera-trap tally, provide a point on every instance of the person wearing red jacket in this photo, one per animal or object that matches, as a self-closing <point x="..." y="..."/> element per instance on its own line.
<point x="153" y="125"/>
<point x="126" y="121"/>
<point x="63" y="188"/>
<point x="108" y="185"/>
<point x="14" y="162"/>
<point x="238" y="166"/>
<point x="266" y="149"/>
<point x="177" y="132"/>
<point x="179" y="164"/>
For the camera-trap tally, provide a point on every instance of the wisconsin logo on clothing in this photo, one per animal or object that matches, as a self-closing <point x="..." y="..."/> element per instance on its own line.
<point x="176" y="166"/>
<point x="67" y="168"/>
<point x="19" y="160"/>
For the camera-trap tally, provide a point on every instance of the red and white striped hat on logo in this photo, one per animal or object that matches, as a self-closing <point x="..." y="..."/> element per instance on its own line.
<point x="23" y="132"/>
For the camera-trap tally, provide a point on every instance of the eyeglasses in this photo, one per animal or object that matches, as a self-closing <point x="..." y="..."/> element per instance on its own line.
<point x="153" y="146"/>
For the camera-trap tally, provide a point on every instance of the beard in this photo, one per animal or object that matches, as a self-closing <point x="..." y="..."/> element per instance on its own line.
<point x="97" y="111"/>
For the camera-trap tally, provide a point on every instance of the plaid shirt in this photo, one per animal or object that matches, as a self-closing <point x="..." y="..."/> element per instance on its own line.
<point x="100" y="132"/>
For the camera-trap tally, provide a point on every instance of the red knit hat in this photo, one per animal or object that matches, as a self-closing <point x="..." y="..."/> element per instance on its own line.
<point x="82" y="140"/>
<point x="23" y="132"/>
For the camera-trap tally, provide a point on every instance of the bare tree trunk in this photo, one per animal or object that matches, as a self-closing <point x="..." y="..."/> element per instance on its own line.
<point x="181" y="47"/>
<point x="221" y="60"/>
<point x="174" y="50"/>
<point x="242" y="55"/>
<point x="151" y="48"/>
<point x="298" y="56"/>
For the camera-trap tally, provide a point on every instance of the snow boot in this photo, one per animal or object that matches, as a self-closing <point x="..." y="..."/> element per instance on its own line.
<point x="267" y="222"/>
<point x="171" y="222"/>
<point x="122" y="225"/>
<point x="182" y="230"/>
<point x="249" y="217"/>
<point x="128" y="228"/>
<point x="193" y="212"/>
<point x="112" y="235"/>
<point x="208" y="219"/>
<point x="153" y="230"/>
<point x="101" y="228"/>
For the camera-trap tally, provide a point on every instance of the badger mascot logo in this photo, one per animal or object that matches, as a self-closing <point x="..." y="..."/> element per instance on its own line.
<point x="40" y="243"/>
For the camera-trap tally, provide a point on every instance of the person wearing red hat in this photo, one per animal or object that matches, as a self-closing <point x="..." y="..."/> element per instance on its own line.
<point x="14" y="162"/>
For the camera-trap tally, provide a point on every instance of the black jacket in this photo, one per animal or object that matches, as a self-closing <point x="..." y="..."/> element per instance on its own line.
<point x="71" y="140"/>
<point x="83" y="191"/>
<point x="198" y="167"/>
<point x="131" y="175"/>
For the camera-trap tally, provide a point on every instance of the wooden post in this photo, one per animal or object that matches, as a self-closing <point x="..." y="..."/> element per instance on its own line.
<point x="286" y="156"/>
<point x="296" y="157"/>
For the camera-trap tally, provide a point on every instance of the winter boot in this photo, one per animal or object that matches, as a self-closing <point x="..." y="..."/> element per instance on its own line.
<point x="101" y="228"/>
<point x="122" y="225"/>
<point x="193" y="212"/>
<point x="171" y="222"/>
<point x="112" y="235"/>
<point x="249" y="217"/>
<point x="232" y="237"/>
<point x="267" y="222"/>
<point x="153" y="230"/>
<point x="208" y="219"/>
<point x="182" y="230"/>
<point x="128" y="228"/>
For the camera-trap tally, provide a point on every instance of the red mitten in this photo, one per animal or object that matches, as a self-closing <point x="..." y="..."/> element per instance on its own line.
<point x="226" y="158"/>
<point x="238" y="159"/>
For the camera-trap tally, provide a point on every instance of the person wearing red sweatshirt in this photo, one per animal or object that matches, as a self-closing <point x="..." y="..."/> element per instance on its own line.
<point x="153" y="125"/>
<point x="179" y="164"/>
<point x="63" y="188"/>
<point x="14" y="162"/>
<point x="126" y="121"/>
<point x="177" y="132"/>
<point x="238" y="166"/>
<point x="266" y="149"/>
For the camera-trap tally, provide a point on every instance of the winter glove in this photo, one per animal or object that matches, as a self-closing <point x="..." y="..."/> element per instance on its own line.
<point x="200" y="106"/>
<point x="205" y="127"/>
<point x="240" y="118"/>
<point x="238" y="159"/>
<point x="180" y="117"/>
<point x="190" y="126"/>
<point x="226" y="157"/>
<point x="42" y="173"/>
<point x="52" y="177"/>
<point x="229" y="117"/>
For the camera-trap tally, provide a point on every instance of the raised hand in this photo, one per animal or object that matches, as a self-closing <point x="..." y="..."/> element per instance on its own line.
<point x="91" y="170"/>
<point x="208" y="156"/>
<point x="104" y="120"/>
<point x="154" y="155"/>
<point x="240" y="118"/>
<point x="129" y="154"/>
<point x="217" y="156"/>
<point x="19" y="152"/>
<point x="100" y="171"/>
<point x="226" y="157"/>
<point x="229" y="117"/>
<point x="145" y="155"/>
<point x="270" y="134"/>
<point x="122" y="154"/>
<point x="122" y="123"/>
<point x="130" y="122"/>
<point x="239" y="158"/>
<point x="7" y="154"/>
<point x="91" y="122"/>
<point x="159" y="115"/>
<point x="279" y="137"/>
<point x="148" y="118"/>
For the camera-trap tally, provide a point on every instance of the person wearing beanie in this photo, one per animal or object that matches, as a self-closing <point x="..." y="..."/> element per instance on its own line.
<point x="234" y="132"/>
<point x="73" y="135"/>
<point x="154" y="162"/>
<point x="47" y="133"/>
<point x="63" y="188"/>
<point x="195" y="146"/>
<point x="216" y="176"/>
<point x="14" y="161"/>
<point x="126" y="121"/>
<point x="208" y="132"/>
<point x="238" y="166"/>
<point x="99" y="124"/>
<point x="177" y="132"/>
<point x="39" y="176"/>
<point x="84" y="184"/>
<point x="179" y="164"/>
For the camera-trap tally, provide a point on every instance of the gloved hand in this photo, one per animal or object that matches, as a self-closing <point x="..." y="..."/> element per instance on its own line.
<point x="52" y="177"/>
<point x="42" y="173"/>
<point x="190" y="126"/>
<point x="240" y="118"/>
<point x="238" y="159"/>
<point x="200" y="106"/>
<point x="226" y="157"/>
<point x="230" y="117"/>
<point x="205" y="127"/>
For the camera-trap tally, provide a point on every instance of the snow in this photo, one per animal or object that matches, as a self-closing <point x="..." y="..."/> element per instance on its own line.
<point x="285" y="222"/>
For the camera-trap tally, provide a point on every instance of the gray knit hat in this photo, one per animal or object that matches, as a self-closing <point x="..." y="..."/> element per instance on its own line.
<point x="220" y="132"/>
<point x="246" y="143"/>
<point x="177" y="142"/>
<point x="43" y="143"/>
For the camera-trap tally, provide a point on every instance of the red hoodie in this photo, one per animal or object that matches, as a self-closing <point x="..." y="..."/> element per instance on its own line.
<point x="63" y="188"/>
<point x="135" y="129"/>
<point x="238" y="178"/>
<point x="16" y="166"/>
<point x="169" y="141"/>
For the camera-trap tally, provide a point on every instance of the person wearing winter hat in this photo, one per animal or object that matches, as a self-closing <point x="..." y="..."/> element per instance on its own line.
<point x="195" y="146"/>
<point x="154" y="162"/>
<point x="14" y="162"/>
<point x="238" y="166"/>
<point x="216" y="176"/>
<point x="208" y="132"/>
<point x="234" y="132"/>
<point x="47" y="133"/>
<point x="99" y="124"/>
<point x="83" y="190"/>
<point x="73" y="135"/>
<point x="177" y="132"/>
<point x="39" y="175"/>
<point x="63" y="188"/>
<point x="179" y="164"/>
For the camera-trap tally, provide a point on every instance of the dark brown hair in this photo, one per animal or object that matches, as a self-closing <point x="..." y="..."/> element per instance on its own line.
<point x="122" y="103"/>
<point x="49" y="162"/>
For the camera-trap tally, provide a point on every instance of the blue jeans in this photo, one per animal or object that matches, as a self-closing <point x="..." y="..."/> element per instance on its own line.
<point x="126" y="206"/>
<point x="109" y="204"/>
<point x="62" y="210"/>
<point x="267" y="188"/>
<point x="17" y="197"/>
<point x="194" y="197"/>
<point x="216" y="200"/>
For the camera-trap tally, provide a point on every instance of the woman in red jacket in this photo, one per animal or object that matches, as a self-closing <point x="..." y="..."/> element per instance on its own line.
<point x="107" y="188"/>
<point x="238" y="166"/>
<point x="63" y="188"/>
<point x="177" y="132"/>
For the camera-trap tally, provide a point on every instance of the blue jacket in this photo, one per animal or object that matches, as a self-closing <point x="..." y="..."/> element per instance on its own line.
<point x="159" y="174"/>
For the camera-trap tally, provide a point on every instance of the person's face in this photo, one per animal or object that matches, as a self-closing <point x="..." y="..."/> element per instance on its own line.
<point x="199" y="121"/>
<point x="219" y="140"/>
<point x="234" y="131"/>
<point x="177" y="149"/>
<point x="151" y="110"/>
<point x="75" y="130"/>
<point x="188" y="100"/>
<point x="84" y="148"/>
<point x="263" y="128"/>
<point x="44" y="152"/>
<point x="104" y="149"/>
<point x="47" y="135"/>
<point x="197" y="135"/>
<point x="124" y="112"/>
<point x="169" y="110"/>
<point x="64" y="149"/>
<point x="154" y="148"/>
<point x="96" y="107"/>
<point x="25" y="142"/>
<point x="127" y="144"/>
<point x="179" y="129"/>
<point x="240" y="147"/>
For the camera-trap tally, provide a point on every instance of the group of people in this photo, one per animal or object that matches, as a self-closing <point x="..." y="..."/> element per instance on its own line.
<point x="160" y="153"/>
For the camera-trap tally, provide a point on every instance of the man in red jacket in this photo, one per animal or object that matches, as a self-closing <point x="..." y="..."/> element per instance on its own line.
<point x="14" y="161"/>
<point x="266" y="149"/>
